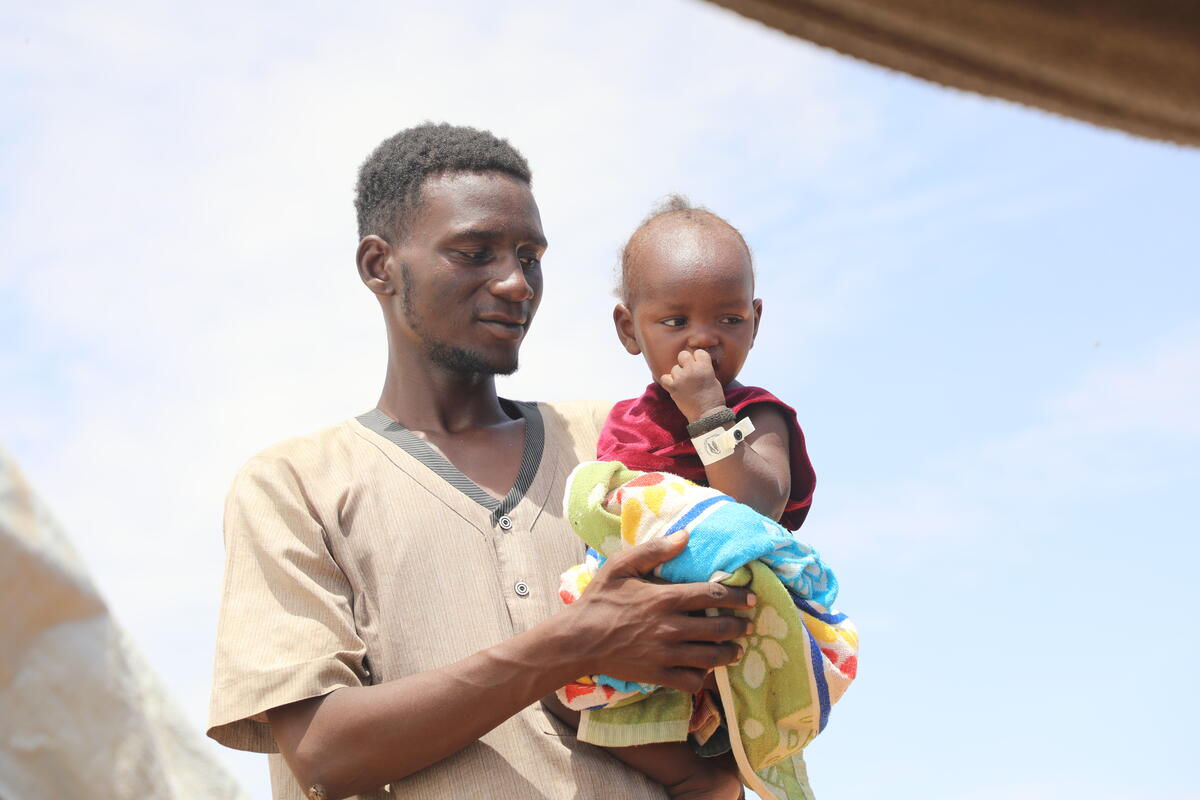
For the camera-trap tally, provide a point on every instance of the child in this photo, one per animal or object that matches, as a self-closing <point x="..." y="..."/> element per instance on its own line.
<point x="688" y="307"/>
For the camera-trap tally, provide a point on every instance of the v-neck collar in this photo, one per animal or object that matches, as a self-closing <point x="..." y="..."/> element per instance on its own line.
<point x="418" y="448"/>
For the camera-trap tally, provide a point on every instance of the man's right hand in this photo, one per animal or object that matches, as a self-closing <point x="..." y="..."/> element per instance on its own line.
<point x="633" y="627"/>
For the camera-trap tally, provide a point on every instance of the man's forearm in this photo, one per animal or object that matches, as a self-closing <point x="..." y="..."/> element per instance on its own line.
<point x="359" y="738"/>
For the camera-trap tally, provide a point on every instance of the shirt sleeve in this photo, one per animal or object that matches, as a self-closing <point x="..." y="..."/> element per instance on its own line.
<point x="286" y="629"/>
<point x="582" y="420"/>
<point x="600" y="411"/>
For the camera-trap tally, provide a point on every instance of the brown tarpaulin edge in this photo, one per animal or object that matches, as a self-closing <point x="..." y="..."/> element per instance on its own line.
<point x="1132" y="66"/>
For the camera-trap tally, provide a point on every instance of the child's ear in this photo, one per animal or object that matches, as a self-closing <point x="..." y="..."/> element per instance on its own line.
<point x="623" y="320"/>
<point x="757" y="317"/>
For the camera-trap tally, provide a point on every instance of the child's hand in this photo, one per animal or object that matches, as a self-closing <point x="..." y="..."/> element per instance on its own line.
<point x="693" y="385"/>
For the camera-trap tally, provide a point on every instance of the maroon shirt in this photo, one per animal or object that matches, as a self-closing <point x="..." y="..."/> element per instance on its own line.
<point x="649" y="433"/>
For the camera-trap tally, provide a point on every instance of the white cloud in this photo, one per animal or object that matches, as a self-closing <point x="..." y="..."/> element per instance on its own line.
<point x="1091" y="444"/>
<point x="1157" y="394"/>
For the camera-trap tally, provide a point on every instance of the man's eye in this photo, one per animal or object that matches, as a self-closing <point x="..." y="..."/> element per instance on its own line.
<point x="675" y="322"/>
<point x="477" y="256"/>
<point x="530" y="262"/>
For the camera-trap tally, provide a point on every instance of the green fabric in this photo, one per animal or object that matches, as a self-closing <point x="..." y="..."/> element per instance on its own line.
<point x="769" y="696"/>
<point x="661" y="716"/>
<point x="774" y="697"/>
<point x="588" y="486"/>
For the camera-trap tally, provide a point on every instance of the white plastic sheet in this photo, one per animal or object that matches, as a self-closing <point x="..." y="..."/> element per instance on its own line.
<point x="81" y="714"/>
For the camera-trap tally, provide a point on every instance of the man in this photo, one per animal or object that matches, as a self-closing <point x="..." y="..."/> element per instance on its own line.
<point x="390" y="617"/>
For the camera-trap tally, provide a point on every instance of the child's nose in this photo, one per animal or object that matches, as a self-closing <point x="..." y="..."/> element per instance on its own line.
<point x="701" y="338"/>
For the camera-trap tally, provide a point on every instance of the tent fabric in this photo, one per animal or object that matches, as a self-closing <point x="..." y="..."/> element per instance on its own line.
<point x="81" y="714"/>
<point x="1133" y="66"/>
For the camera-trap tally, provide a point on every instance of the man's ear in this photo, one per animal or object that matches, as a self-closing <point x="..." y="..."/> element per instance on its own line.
<point x="757" y="318"/>
<point x="623" y="319"/>
<point x="373" y="257"/>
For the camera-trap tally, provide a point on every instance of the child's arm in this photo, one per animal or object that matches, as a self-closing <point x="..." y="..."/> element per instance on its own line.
<point x="758" y="473"/>
<point x="685" y="775"/>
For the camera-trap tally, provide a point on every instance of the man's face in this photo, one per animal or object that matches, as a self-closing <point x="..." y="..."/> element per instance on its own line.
<point x="694" y="291"/>
<point x="468" y="271"/>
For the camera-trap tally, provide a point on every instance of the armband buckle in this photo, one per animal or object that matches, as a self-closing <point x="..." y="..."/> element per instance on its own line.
<point x="720" y="443"/>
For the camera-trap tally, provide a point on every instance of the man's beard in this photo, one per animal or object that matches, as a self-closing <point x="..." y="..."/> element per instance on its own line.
<point x="451" y="357"/>
<point x="463" y="361"/>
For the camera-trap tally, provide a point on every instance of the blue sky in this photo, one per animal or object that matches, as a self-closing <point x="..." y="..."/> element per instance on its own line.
<point x="988" y="318"/>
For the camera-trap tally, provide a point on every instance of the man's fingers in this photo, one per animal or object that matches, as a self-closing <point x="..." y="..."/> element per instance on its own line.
<point x="642" y="559"/>
<point x="667" y="381"/>
<point x="699" y="596"/>
<point x="684" y="679"/>
<point x="721" y="628"/>
<point x="705" y="656"/>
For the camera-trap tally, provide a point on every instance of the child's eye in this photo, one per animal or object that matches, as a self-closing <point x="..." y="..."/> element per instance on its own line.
<point x="731" y="319"/>
<point x="675" y="322"/>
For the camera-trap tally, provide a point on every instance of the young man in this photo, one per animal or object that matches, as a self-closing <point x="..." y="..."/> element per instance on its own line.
<point x="390" y="617"/>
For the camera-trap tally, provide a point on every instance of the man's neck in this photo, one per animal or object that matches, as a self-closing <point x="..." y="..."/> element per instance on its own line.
<point x="427" y="397"/>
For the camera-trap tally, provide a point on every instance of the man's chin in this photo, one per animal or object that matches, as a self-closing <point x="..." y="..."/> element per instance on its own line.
<point x="470" y="362"/>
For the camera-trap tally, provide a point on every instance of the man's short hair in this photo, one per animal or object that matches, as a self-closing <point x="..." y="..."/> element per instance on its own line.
<point x="389" y="181"/>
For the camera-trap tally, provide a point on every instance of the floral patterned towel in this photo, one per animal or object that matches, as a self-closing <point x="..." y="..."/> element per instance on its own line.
<point x="798" y="662"/>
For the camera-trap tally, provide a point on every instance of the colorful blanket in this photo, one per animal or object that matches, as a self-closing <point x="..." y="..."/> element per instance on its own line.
<point x="800" y="659"/>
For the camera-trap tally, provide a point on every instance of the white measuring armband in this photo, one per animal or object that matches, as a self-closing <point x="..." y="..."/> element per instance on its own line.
<point x="719" y="443"/>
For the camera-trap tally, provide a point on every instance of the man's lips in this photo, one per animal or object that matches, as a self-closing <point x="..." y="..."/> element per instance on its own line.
<point x="505" y="326"/>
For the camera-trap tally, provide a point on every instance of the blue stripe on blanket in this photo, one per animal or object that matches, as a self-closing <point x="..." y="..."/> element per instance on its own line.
<point x="809" y="608"/>
<point x="696" y="511"/>
<point x="814" y="654"/>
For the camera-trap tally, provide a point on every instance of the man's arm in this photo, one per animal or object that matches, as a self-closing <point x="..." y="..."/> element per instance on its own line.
<point x="356" y="739"/>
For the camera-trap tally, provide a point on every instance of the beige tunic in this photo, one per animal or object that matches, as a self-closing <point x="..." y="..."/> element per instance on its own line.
<point x="351" y="561"/>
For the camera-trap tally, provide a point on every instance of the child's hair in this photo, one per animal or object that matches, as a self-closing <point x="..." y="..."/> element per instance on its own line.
<point x="673" y="206"/>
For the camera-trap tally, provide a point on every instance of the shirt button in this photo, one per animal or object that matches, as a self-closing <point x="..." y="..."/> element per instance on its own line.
<point x="505" y="524"/>
<point x="522" y="589"/>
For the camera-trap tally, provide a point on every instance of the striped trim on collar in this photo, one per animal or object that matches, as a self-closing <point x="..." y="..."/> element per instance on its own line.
<point x="418" y="448"/>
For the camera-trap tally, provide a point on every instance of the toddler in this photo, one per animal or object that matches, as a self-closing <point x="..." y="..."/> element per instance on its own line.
<point x="688" y="307"/>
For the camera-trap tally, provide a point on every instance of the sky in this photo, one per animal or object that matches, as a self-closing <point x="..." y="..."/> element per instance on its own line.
<point x="987" y="318"/>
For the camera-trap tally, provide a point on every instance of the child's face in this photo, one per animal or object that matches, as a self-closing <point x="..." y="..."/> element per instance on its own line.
<point x="693" y="289"/>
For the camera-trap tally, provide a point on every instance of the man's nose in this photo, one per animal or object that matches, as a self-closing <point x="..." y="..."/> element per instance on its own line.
<point x="513" y="284"/>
